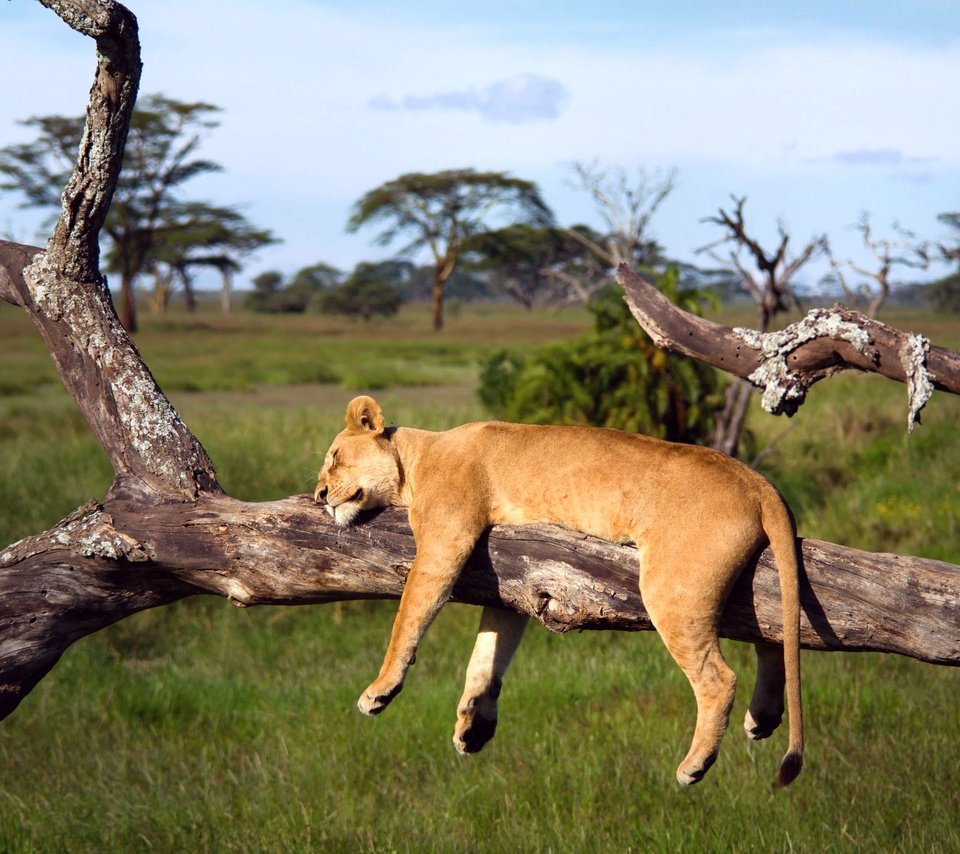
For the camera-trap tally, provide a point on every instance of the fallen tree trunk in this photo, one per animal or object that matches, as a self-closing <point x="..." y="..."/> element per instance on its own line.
<point x="110" y="560"/>
<point x="166" y="530"/>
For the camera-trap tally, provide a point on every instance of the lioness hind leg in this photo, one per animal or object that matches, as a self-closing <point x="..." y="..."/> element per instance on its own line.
<point x="766" y="706"/>
<point x="497" y="640"/>
<point x="689" y="631"/>
<point x="714" y="685"/>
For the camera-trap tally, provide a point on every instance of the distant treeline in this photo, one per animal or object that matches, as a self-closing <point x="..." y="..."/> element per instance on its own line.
<point x="379" y="289"/>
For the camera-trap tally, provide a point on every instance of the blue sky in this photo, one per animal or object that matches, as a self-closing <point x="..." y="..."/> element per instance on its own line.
<point x="815" y="112"/>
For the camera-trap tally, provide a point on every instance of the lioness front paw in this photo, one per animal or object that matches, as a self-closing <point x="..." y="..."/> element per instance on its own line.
<point x="374" y="700"/>
<point x="691" y="772"/>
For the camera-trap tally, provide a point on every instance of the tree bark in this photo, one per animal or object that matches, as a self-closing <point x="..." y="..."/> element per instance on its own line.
<point x="785" y="364"/>
<point x="440" y="275"/>
<point x="14" y="258"/>
<point x="166" y="530"/>
<point x="109" y="560"/>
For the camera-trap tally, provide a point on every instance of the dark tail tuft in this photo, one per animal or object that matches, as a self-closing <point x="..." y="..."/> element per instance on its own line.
<point x="789" y="768"/>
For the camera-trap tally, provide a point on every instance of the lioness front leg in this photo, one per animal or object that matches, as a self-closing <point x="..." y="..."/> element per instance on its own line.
<point x="431" y="578"/>
<point x="497" y="640"/>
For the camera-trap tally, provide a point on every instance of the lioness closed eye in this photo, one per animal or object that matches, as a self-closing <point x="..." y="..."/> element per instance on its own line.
<point x="696" y="516"/>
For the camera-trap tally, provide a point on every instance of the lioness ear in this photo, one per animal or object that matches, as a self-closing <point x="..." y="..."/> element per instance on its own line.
<point x="364" y="413"/>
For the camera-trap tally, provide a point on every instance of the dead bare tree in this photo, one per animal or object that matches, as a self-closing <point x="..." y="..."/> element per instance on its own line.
<point x="626" y="204"/>
<point x="888" y="253"/>
<point x="770" y="283"/>
<point x="166" y="529"/>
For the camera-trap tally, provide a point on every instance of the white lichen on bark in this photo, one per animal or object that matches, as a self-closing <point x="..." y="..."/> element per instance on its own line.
<point x="149" y="422"/>
<point x="783" y="390"/>
<point x="94" y="535"/>
<point x="913" y="357"/>
<point x="88" y="531"/>
<point x="84" y="305"/>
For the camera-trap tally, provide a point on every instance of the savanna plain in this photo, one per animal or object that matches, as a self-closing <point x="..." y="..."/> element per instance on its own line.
<point x="202" y="727"/>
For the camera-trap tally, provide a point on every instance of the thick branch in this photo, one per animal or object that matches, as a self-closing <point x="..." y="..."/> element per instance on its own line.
<point x="108" y="561"/>
<point x="62" y="289"/>
<point x="74" y="249"/>
<point x="785" y="364"/>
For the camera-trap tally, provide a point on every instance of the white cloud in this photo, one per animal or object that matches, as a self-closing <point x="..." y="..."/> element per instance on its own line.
<point x="519" y="99"/>
<point x="879" y="157"/>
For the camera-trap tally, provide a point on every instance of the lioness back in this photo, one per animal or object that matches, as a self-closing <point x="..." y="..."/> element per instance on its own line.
<point x="605" y="483"/>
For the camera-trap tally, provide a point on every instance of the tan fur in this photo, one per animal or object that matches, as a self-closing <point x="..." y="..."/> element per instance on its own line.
<point x="696" y="516"/>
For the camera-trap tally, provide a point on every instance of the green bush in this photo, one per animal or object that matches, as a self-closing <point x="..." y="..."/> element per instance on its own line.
<point x="612" y="377"/>
<point x="365" y="294"/>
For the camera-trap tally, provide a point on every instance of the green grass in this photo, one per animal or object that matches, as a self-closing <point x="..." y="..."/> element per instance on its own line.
<point x="205" y="727"/>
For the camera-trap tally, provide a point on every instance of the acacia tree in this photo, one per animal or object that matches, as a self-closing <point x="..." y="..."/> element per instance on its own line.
<point x="199" y="236"/>
<point x="525" y="261"/>
<point x="149" y="227"/>
<point x="440" y="210"/>
<point x="166" y="529"/>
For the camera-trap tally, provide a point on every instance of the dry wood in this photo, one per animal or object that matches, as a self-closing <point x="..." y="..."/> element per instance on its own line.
<point x="110" y="560"/>
<point x="166" y="530"/>
<point x="785" y="364"/>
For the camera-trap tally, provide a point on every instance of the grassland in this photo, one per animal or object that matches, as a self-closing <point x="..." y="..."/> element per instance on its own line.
<point x="201" y="727"/>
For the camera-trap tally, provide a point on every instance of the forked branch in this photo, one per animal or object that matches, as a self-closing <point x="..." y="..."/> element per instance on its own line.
<point x="64" y="292"/>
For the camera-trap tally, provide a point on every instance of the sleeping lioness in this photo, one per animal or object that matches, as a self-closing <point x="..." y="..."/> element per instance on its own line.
<point x="696" y="516"/>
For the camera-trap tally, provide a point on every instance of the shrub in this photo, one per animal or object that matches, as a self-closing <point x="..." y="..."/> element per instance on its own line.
<point x="365" y="294"/>
<point x="612" y="377"/>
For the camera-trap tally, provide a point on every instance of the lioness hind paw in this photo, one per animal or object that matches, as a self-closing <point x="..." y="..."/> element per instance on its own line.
<point x="689" y="778"/>
<point x="474" y="737"/>
<point x="761" y="727"/>
<point x="687" y="775"/>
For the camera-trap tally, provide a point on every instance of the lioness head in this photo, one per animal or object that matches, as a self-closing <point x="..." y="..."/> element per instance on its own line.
<point x="361" y="470"/>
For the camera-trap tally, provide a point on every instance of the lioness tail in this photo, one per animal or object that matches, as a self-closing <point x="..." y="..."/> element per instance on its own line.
<point x="778" y="524"/>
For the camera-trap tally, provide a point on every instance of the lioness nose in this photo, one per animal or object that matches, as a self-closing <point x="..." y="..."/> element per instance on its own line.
<point x="320" y="495"/>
